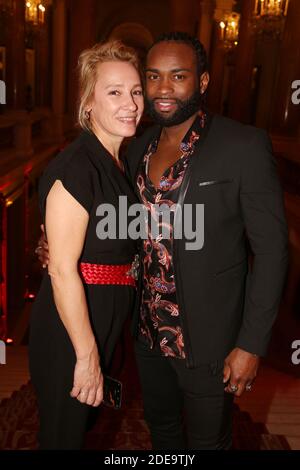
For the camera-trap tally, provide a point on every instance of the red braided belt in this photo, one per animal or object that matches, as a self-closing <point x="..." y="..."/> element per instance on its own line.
<point x="107" y="274"/>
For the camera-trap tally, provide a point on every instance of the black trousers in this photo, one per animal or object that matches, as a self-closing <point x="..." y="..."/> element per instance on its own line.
<point x="63" y="420"/>
<point x="184" y="408"/>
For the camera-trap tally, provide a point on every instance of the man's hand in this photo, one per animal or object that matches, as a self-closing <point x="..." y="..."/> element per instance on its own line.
<point x="240" y="369"/>
<point x="42" y="249"/>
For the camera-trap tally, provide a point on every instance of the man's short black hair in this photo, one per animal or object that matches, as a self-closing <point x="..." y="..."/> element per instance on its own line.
<point x="193" y="42"/>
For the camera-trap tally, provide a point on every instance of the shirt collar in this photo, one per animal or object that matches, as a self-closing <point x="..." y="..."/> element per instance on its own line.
<point x="194" y="133"/>
<point x="191" y="137"/>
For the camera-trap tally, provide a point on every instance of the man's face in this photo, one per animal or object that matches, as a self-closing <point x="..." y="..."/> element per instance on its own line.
<point x="172" y="83"/>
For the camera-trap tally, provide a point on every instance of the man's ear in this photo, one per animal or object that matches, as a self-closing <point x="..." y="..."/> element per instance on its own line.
<point x="204" y="80"/>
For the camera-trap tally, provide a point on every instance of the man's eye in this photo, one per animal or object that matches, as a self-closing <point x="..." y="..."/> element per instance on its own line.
<point x="179" y="76"/>
<point x="152" y="76"/>
<point x="114" y="92"/>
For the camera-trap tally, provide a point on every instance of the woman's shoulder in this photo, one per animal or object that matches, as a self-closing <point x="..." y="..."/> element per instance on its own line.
<point x="73" y="168"/>
<point x="73" y="157"/>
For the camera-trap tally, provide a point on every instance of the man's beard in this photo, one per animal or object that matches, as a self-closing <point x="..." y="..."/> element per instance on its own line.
<point x="185" y="109"/>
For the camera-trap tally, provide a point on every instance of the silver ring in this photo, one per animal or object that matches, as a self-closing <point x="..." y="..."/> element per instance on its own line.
<point x="248" y="387"/>
<point x="38" y="248"/>
<point x="233" y="388"/>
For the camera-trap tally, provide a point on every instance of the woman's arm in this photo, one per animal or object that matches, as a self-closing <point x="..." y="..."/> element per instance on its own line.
<point x="66" y="224"/>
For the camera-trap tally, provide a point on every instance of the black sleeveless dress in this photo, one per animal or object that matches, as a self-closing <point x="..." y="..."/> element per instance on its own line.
<point x="90" y="175"/>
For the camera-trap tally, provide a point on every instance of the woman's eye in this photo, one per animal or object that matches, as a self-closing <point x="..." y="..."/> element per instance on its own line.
<point x="138" y="92"/>
<point x="114" y="92"/>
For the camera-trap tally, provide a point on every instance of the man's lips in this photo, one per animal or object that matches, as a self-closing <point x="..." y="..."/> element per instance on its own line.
<point x="165" y="105"/>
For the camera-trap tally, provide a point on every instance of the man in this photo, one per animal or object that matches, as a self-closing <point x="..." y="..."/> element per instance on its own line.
<point x="203" y="316"/>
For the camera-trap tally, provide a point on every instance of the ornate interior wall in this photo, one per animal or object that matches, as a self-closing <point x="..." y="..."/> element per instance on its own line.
<point x="250" y="82"/>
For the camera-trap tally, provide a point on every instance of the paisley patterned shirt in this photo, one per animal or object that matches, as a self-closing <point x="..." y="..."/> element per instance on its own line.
<point x="159" y="315"/>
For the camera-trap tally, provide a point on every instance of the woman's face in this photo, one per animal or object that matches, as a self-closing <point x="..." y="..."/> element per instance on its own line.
<point x="117" y="104"/>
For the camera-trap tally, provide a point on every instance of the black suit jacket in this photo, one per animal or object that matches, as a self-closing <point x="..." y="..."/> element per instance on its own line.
<point x="224" y="302"/>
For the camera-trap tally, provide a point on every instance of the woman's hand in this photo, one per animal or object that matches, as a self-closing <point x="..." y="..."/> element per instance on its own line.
<point x="88" y="379"/>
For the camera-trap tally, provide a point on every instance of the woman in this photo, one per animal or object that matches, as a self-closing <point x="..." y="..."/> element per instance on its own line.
<point x="88" y="291"/>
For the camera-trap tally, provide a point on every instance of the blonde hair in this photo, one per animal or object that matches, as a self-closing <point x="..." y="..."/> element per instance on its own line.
<point x="89" y="60"/>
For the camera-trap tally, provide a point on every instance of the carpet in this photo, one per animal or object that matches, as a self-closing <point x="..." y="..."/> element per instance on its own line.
<point x="123" y="429"/>
<point x="115" y="430"/>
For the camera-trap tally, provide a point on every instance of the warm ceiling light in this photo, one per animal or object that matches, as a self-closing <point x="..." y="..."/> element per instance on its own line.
<point x="229" y="29"/>
<point x="35" y="12"/>
<point x="269" y="16"/>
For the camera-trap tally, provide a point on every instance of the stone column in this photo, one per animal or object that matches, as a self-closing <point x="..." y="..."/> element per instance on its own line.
<point x="239" y="106"/>
<point x="82" y="36"/>
<point x="44" y="66"/>
<point x="216" y="71"/>
<point x="184" y="16"/>
<point x="286" y="115"/>
<point x="15" y="79"/>
<point x="206" y="23"/>
<point x="58" y="68"/>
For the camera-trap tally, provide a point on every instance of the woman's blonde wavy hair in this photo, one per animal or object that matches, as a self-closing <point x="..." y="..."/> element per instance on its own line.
<point x="89" y="59"/>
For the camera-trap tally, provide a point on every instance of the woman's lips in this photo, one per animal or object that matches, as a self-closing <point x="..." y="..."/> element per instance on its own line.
<point x="128" y="119"/>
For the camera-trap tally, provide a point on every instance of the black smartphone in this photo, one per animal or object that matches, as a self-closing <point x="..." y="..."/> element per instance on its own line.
<point x="112" y="392"/>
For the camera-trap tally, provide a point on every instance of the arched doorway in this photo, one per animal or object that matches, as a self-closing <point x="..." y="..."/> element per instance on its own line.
<point x="135" y="35"/>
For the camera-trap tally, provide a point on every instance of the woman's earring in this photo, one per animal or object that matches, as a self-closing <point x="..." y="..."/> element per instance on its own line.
<point x="87" y="114"/>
